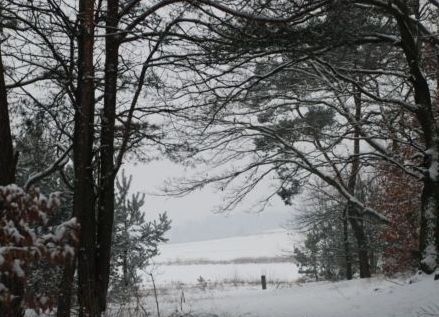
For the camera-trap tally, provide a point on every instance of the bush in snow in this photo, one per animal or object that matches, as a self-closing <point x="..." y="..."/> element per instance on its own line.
<point x="399" y="198"/>
<point x="25" y="238"/>
<point x="326" y="248"/>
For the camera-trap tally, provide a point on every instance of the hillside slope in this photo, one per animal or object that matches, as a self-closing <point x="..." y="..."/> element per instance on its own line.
<point x="272" y="243"/>
<point x="232" y="260"/>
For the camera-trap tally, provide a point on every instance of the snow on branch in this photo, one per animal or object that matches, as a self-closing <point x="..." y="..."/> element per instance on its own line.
<point x="59" y="163"/>
<point x="26" y="237"/>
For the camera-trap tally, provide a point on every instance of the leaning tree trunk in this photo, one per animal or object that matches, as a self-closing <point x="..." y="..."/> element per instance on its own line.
<point x="107" y="169"/>
<point x="84" y="197"/>
<point x="8" y="162"/>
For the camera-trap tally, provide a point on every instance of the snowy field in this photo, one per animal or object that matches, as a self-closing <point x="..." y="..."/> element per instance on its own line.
<point x="231" y="268"/>
<point x="375" y="297"/>
<point x="231" y="260"/>
<point x="226" y="273"/>
<point x="267" y="244"/>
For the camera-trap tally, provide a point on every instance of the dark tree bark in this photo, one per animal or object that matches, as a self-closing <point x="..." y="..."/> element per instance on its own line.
<point x="347" y="248"/>
<point x="84" y="197"/>
<point x="65" y="297"/>
<point x="355" y="218"/>
<point x="7" y="157"/>
<point x="8" y="162"/>
<point x="362" y="244"/>
<point x="426" y="118"/>
<point x="107" y="169"/>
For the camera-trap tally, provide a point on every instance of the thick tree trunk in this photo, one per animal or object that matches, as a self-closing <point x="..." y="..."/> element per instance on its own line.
<point x="107" y="169"/>
<point x="84" y="197"/>
<point x="7" y="157"/>
<point x="437" y="105"/>
<point x="363" y="246"/>
<point x="437" y="237"/>
<point x="429" y="226"/>
<point x="65" y="296"/>
<point x="430" y="132"/>
<point x="8" y="163"/>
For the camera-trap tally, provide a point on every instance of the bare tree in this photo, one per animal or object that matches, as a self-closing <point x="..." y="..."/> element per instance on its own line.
<point x="241" y="56"/>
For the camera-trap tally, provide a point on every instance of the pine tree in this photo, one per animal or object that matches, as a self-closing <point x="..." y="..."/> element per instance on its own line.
<point x="322" y="255"/>
<point x="135" y="240"/>
<point x="38" y="146"/>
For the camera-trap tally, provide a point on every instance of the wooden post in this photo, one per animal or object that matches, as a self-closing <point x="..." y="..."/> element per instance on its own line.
<point x="263" y="282"/>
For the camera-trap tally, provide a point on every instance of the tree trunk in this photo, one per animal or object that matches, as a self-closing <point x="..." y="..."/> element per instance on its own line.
<point x="7" y="157"/>
<point x="429" y="240"/>
<point x="84" y="197"/>
<point x="425" y="116"/>
<point x="125" y="268"/>
<point x="437" y="237"/>
<point x="347" y="249"/>
<point x="363" y="246"/>
<point x="7" y="176"/>
<point x="107" y="169"/>
<point x="355" y="218"/>
<point x="65" y="289"/>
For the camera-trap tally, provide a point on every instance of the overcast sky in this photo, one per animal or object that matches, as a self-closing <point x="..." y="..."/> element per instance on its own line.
<point x="193" y="216"/>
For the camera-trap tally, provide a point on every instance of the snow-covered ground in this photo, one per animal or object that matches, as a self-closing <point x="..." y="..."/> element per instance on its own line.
<point x="227" y="273"/>
<point x="230" y="288"/>
<point x="375" y="297"/>
<point x="232" y="260"/>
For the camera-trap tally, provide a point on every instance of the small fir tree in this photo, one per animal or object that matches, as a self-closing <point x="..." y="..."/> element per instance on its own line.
<point x="135" y="240"/>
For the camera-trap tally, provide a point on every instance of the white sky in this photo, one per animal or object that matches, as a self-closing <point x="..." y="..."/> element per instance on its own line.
<point x="193" y="215"/>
